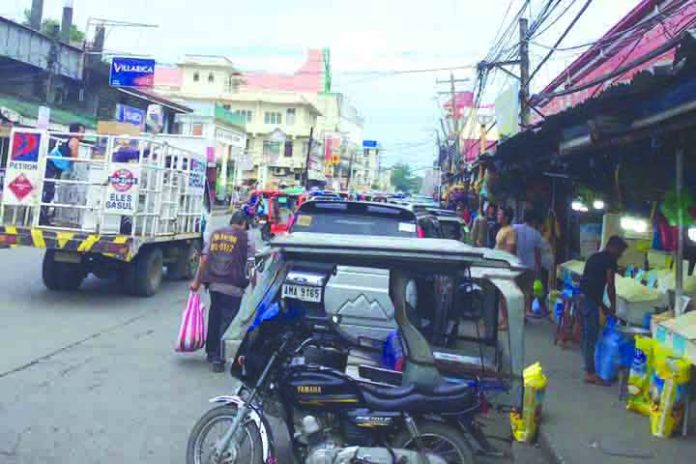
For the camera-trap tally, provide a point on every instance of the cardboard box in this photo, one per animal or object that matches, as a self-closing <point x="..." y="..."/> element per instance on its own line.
<point x="679" y="334"/>
<point x="117" y="128"/>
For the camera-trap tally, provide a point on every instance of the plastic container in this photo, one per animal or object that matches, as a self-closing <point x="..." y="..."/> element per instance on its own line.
<point x="524" y="426"/>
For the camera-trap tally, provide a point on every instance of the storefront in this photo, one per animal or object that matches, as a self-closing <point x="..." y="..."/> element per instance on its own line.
<point x="622" y="163"/>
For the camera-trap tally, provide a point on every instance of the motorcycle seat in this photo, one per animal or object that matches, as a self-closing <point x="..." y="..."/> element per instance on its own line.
<point x="444" y="398"/>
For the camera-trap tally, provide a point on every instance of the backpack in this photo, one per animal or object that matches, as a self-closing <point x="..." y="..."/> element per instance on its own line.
<point x="63" y="150"/>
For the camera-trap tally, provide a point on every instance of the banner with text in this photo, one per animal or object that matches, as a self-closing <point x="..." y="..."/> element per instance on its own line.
<point x="22" y="178"/>
<point x="122" y="186"/>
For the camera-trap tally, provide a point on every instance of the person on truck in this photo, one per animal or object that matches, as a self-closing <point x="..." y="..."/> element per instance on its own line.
<point x="222" y="268"/>
<point x="55" y="167"/>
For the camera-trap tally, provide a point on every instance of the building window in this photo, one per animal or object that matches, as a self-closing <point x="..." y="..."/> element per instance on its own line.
<point x="290" y="116"/>
<point x="227" y="107"/>
<point x="271" y="150"/>
<point x="272" y="118"/>
<point x="232" y="84"/>
<point x="197" y="128"/>
<point x="288" y="149"/>
<point x="247" y="115"/>
<point x="196" y="77"/>
<point x="211" y="77"/>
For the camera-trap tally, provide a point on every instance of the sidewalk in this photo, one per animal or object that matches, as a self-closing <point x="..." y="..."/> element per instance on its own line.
<point x="587" y="423"/>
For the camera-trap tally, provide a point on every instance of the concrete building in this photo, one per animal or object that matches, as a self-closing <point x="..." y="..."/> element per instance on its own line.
<point x="341" y="129"/>
<point x="222" y="134"/>
<point x="277" y="123"/>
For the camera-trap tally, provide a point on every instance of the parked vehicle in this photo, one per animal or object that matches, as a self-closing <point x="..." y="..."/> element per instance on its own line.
<point x="302" y="357"/>
<point x="125" y="207"/>
<point x="364" y="218"/>
<point x="319" y="194"/>
<point x="278" y="374"/>
<point x="452" y="226"/>
<point x="423" y="200"/>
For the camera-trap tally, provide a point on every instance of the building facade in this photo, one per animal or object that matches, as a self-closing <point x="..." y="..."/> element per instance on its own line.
<point x="277" y="123"/>
<point x="223" y="136"/>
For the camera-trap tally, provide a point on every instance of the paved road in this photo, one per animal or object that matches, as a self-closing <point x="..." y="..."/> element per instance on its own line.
<point x="92" y="376"/>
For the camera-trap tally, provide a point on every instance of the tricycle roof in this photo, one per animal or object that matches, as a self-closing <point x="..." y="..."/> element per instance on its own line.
<point x="380" y="251"/>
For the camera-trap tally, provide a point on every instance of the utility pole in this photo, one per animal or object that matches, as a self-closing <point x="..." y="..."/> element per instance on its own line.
<point x="305" y="176"/>
<point x="455" y="120"/>
<point x="350" y="170"/>
<point x="452" y="92"/>
<point x="524" y="74"/>
<point x="51" y="61"/>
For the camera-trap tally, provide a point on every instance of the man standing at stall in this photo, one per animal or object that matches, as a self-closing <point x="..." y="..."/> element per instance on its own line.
<point x="599" y="274"/>
<point x="223" y="269"/>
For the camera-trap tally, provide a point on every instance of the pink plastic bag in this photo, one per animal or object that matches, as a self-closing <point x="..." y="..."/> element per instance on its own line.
<point x="192" y="330"/>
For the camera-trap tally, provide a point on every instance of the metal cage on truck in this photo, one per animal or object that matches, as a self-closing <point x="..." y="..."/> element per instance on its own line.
<point x="122" y="207"/>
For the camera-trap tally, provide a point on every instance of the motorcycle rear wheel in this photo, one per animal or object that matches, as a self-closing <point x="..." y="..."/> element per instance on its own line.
<point x="201" y="441"/>
<point x="439" y="439"/>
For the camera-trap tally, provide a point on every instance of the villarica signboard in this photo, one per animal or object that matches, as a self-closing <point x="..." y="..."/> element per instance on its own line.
<point x="132" y="72"/>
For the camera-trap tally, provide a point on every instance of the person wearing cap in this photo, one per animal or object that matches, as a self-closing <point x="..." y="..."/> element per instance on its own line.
<point x="222" y="268"/>
<point x="599" y="274"/>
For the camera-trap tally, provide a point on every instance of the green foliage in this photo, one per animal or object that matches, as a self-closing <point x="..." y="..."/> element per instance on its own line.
<point x="48" y="25"/>
<point x="403" y="179"/>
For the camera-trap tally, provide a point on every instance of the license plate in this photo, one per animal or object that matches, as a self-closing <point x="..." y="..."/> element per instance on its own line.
<point x="66" y="257"/>
<point x="301" y="292"/>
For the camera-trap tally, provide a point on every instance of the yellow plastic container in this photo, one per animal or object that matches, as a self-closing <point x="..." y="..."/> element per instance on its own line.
<point x="524" y="426"/>
<point x="639" y="377"/>
<point x="668" y="391"/>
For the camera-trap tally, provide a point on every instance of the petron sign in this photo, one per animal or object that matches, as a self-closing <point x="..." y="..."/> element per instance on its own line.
<point x="132" y="72"/>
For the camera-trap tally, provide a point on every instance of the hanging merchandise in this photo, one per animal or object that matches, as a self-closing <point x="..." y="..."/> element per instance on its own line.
<point x="668" y="235"/>
<point x="673" y="207"/>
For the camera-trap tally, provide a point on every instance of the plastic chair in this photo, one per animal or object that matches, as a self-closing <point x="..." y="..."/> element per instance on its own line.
<point x="568" y="323"/>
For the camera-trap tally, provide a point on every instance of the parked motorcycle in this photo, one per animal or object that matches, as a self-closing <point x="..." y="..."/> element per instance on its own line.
<point x="292" y="365"/>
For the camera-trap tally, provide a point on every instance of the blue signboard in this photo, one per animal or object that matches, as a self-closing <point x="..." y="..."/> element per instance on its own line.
<point x="132" y="72"/>
<point x="370" y="144"/>
<point x="131" y="115"/>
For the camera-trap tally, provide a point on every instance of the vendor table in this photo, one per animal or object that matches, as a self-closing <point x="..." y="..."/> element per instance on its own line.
<point x="679" y="334"/>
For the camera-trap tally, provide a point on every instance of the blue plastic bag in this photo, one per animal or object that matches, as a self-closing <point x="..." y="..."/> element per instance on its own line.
<point x="612" y="351"/>
<point x="392" y="353"/>
<point x="60" y="164"/>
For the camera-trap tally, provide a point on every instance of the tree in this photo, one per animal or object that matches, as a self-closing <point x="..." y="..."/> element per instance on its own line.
<point x="403" y="179"/>
<point x="48" y="25"/>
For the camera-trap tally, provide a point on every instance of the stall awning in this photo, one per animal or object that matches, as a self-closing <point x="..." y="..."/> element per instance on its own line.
<point x="634" y="109"/>
<point x="15" y="108"/>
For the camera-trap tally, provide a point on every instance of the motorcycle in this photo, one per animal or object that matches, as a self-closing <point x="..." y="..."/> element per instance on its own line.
<point x="292" y="365"/>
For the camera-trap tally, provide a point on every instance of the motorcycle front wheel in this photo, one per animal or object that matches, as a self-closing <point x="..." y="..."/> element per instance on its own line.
<point x="439" y="439"/>
<point x="211" y="427"/>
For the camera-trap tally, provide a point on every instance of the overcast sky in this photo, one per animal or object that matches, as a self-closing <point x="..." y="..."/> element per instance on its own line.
<point x="365" y="36"/>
